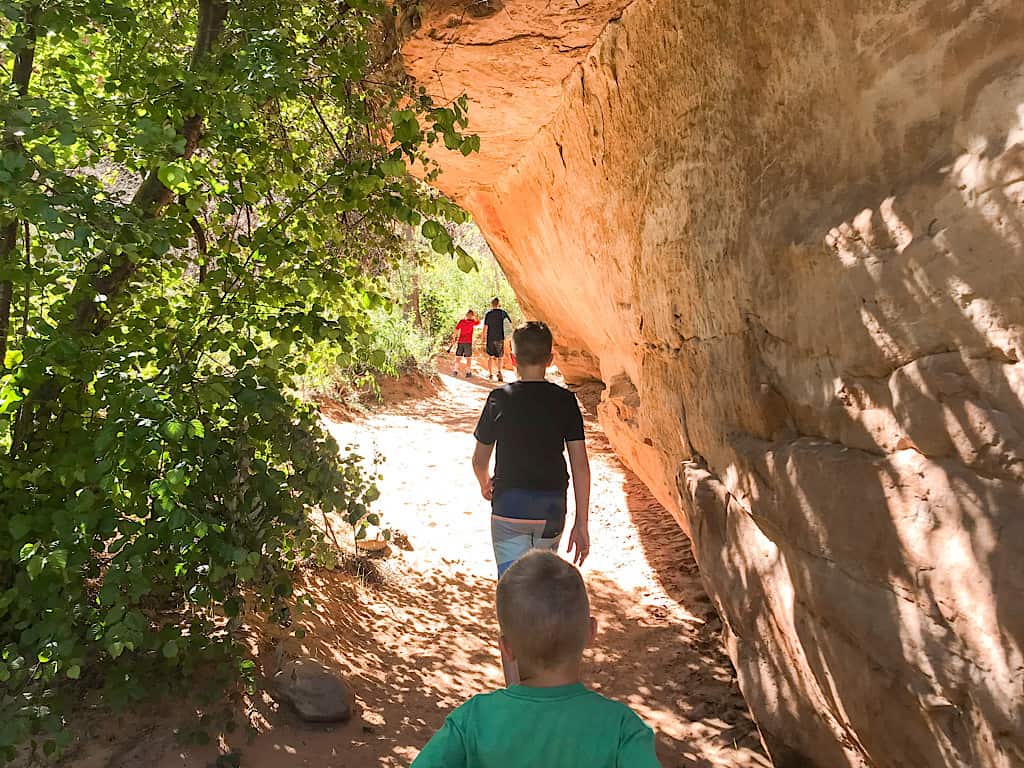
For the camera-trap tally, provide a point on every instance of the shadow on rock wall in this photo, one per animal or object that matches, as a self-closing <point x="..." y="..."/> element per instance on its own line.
<point x="875" y="542"/>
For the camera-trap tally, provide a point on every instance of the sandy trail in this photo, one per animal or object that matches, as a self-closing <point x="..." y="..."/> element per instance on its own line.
<point x="422" y="641"/>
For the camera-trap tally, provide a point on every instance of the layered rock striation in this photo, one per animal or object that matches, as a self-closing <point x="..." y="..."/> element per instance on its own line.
<point x="788" y="237"/>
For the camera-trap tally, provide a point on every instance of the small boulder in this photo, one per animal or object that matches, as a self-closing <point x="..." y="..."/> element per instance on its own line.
<point x="315" y="693"/>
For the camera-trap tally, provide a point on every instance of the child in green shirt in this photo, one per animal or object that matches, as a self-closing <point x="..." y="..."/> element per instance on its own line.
<point x="550" y="720"/>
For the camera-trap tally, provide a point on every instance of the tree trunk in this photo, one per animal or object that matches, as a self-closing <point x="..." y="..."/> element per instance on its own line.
<point x="6" y="289"/>
<point x="27" y="245"/>
<point x="20" y="78"/>
<point x="416" y="298"/>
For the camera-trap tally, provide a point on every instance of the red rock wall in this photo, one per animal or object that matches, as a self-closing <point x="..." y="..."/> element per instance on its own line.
<point x="789" y="238"/>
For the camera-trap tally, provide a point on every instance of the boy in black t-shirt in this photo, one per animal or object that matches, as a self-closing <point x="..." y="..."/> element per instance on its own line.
<point x="533" y="422"/>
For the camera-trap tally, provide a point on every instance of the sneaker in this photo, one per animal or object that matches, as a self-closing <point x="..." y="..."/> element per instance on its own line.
<point x="501" y="378"/>
<point x="469" y="375"/>
<point x="455" y="373"/>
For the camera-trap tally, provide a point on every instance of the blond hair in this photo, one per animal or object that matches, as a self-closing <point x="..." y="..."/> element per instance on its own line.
<point x="543" y="611"/>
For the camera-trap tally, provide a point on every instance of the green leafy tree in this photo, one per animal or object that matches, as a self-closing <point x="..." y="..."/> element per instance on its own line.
<point x="192" y="197"/>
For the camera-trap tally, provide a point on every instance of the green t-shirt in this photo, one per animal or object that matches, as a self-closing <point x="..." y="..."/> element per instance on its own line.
<point x="521" y="727"/>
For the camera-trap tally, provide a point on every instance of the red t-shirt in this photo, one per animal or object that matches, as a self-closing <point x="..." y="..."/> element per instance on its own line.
<point x="465" y="328"/>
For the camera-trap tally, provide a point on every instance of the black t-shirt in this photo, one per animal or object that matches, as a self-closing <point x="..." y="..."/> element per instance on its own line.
<point x="531" y="421"/>
<point x="495" y="322"/>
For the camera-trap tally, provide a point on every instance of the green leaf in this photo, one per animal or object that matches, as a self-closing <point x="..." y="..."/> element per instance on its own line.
<point x="19" y="526"/>
<point x="177" y="518"/>
<point x="470" y="145"/>
<point x="170" y="649"/>
<point x="74" y="672"/>
<point x="442" y="243"/>
<point x="174" y="177"/>
<point x="392" y="167"/>
<point x="176" y="478"/>
<point x="35" y="566"/>
<point x="466" y="262"/>
<point x="58" y="558"/>
<point x="431" y="229"/>
<point x="9" y="399"/>
<point x="174" y="430"/>
<point x="44" y="153"/>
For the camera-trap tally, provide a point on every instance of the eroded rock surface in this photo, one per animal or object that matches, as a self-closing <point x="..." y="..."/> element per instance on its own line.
<point x="789" y="239"/>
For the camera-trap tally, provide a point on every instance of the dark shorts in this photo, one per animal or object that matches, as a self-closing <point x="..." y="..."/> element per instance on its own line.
<point x="496" y="348"/>
<point x="464" y="349"/>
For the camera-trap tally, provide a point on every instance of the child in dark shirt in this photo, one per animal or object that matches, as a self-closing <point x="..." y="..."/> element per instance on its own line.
<point x="496" y="321"/>
<point x="533" y="422"/>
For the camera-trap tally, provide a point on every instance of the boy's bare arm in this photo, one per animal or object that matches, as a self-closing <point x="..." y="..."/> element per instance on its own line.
<point x="482" y="468"/>
<point x="579" y="538"/>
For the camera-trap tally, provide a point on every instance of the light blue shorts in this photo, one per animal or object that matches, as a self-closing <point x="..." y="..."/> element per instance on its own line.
<point x="524" y="520"/>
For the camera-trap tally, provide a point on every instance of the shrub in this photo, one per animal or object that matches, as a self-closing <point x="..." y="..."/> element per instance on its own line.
<point x="193" y="200"/>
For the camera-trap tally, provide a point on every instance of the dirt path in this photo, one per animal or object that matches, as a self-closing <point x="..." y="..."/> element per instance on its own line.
<point x="421" y="641"/>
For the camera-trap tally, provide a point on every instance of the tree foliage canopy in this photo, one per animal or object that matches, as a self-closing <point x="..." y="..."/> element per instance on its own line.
<point x="192" y="196"/>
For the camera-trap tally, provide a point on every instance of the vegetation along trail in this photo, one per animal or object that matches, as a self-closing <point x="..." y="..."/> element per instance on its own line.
<point x="419" y="640"/>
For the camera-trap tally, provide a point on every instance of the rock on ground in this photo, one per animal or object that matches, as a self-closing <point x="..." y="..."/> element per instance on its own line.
<point x="317" y="694"/>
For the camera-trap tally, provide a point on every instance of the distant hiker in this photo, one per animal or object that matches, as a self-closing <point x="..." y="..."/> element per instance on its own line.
<point x="495" y="321"/>
<point x="551" y="719"/>
<point x="462" y="338"/>
<point x="533" y="422"/>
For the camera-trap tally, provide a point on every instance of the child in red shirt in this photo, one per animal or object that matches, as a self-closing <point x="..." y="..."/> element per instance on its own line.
<point x="463" y="339"/>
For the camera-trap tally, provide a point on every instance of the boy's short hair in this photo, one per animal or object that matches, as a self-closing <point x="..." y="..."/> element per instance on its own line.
<point x="532" y="343"/>
<point x="495" y="301"/>
<point x="470" y="312"/>
<point x="543" y="610"/>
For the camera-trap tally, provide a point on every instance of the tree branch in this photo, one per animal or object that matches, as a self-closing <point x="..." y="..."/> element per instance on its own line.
<point x="201" y="246"/>
<point x="326" y="127"/>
